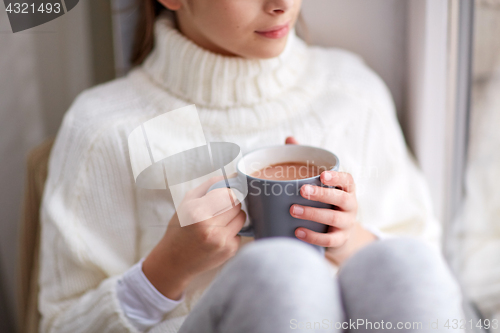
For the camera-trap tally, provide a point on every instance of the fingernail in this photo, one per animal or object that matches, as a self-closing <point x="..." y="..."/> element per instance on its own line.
<point x="327" y="176"/>
<point x="297" y="210"/>
<point x="308" y="189"/>
<point x="300" y="234"/>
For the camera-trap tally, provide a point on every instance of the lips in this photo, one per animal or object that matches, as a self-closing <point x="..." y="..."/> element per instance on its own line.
<point x="278" y="31"/>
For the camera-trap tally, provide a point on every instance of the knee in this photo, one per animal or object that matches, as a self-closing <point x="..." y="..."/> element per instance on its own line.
<point x="280" y="256"/>
<point x="401" y="259"/>
<point x="405" y="253"/>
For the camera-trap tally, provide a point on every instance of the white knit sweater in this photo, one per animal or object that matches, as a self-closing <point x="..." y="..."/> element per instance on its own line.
<point x="96" y="223"/>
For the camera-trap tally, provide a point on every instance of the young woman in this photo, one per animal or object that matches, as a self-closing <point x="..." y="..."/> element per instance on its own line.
<point x="110" y="264"/>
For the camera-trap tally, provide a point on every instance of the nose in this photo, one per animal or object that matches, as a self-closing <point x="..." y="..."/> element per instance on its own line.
<point x="276" y="7"/>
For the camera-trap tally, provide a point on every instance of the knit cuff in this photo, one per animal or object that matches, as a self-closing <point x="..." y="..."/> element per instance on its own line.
<point x="142" y="303"/>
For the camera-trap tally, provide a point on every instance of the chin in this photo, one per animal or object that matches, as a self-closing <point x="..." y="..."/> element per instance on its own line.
<point x="268" y="50"/>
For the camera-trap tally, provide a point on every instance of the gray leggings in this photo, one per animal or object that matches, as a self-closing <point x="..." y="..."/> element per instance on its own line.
<point x="283" y="285"/>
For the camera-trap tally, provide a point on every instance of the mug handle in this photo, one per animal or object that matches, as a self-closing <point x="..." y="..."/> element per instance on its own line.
<point x="234" y="183"/>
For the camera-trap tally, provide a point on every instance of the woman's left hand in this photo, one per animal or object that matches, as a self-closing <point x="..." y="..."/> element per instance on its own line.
<point x="345" y="235"/>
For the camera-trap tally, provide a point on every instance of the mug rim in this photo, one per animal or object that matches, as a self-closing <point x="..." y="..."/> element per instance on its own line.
<point x="291" y="180"/>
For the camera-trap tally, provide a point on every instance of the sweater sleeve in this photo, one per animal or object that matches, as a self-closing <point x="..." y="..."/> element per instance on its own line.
<point x="89" y="229"/>
<point x="141" y="302"/>
<point x="393" y="194"/>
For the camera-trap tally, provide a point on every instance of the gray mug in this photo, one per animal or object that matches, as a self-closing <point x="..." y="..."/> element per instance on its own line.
<point x="268" y="202"/>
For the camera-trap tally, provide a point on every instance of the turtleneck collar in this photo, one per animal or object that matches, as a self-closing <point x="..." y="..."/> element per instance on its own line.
<point x="210" y="80"/>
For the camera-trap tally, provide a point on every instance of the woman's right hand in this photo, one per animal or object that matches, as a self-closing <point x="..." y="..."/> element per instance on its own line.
<point x="208" y="242"/>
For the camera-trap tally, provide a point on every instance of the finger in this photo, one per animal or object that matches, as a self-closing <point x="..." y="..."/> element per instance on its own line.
<point x="291" y="141"/>
<point x="221" y="200"/>
<point x="224" y="218"/>
<point x="329" y="217"/>
<point x="237" y="223"/>
<point x="341" y="180"/>
<point x="237" y="242"/>
<point x="202" y="189"/>
<point x="344" y="200"/>
<point x="334" y="238"/>
<point x="217" y="201"/>
<point x="216" y="208"/>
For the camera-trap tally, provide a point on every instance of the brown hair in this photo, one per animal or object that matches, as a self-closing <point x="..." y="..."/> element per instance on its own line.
<point x="149" y="10"/>
<point x="144" y="33"/>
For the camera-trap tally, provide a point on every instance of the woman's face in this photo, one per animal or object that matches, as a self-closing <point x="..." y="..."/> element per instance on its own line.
<point x="245" y="28"/>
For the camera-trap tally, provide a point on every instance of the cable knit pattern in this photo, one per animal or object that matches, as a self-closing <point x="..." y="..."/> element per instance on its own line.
<point x="96" y="224"/>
